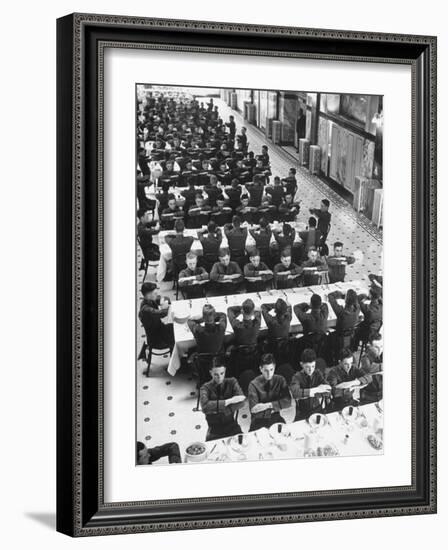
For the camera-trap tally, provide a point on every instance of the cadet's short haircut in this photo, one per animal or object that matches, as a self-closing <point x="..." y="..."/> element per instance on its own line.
<point x="293" y="171"/>
<point x="338" y="244"/>
<point x="248" y="306"/>
<point x="179" y="226"/>
<point x="254" y="253"/>
<point x="267" y="359"/>
<point x="316" y="301"/>
<point x="236" y="220"/>
<point x="308" y="356"/>
<point x="286" y="253"/>
<point x="191" y="256"/>
<point x="208" y="313"/>
<point x="312" y="222"/>
<point x="223" y="252"/>
<point x="326" y="202"/>
<point x="346" y="353"/>
<point x="211" y="227"/>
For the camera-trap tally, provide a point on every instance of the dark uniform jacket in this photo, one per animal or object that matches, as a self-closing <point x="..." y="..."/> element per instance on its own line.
<point x="338" y="374"/>
<point x="282" y="281"/>
<point x="300" y="387"/>
<point x="219" y="270"/>
<point x="212" y="398"/>
<point x="277" y="327"/>
<point x="336" y="267"/>
<point x="314" y="320"/>
<point x="313" y="277"/>
<point x="180" y="246"/>
<point x="151" y="318"/>
<point x="273" y="391"/>
<point x="209" y="336"/>
<point x="347" y="319"/>
<point x="246" y="331"/>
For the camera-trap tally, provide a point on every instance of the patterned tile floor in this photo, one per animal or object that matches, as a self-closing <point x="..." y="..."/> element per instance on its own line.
<point x="166" y="406"/>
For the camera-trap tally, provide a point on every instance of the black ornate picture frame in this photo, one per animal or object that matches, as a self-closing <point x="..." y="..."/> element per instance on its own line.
<point x="81" y="40"/>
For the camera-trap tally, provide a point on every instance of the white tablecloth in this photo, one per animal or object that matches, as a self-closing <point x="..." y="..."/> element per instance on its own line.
<point x="345" y="438"/>
<point x="184" y="338"/>
<point x="166" y="255"/>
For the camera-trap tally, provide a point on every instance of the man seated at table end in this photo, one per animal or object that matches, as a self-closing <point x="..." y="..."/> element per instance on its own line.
<point x="220" y="398"/>
<point x="346" y="381"/>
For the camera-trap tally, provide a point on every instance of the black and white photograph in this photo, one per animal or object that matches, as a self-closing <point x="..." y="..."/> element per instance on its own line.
<point x="259" y="274"/>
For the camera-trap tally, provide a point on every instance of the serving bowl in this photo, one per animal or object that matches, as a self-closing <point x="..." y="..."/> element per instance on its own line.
<point x="196" y="452"/>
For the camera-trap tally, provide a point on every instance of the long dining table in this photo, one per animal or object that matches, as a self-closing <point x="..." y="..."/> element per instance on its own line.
<point x="337" y="436"/>
<point x="185" y="309"/>
<point x="166" y="254"/>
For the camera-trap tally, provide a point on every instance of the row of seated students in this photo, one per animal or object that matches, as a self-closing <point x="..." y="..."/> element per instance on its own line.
<point x="311" y="388"/>
<point x="198" y="209"/>
<point x="270" y="243"/>
<point x="351" y="328"/>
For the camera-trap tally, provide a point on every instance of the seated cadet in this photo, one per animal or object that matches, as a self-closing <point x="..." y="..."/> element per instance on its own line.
<point x="257" y="274"/>
<point x="372" y="309"/>
<point x="255" y="190"/>
<point x="199" y="213"/>
<point x="226" y="275"/>
<point x="171" y="213"/>
<point x="337" y="263"/>
<point x="288" y="209"/>
<point x="206" y="176"/>
<point x="221" y="214"/>
<point x="285" y="237"/>
<point x="313" y="317"/>
<point x="236" y="238"/>
<point x="324" y="217"/>
<point x="261" y="172"/>
<point x="313" y="268"/>
<point x="277" y="318"/>
<point x="148" y="456"/>
<point x="290" y="183"/>
<point x="208" y="330"/>
<point x="192" y="279"/>
<point x="234" y="194"/>
<point x="276" y="192"/>
<point x="224" y="175"/>
<point x="286" y="273"/>
<point x="244" y="211"/>
<point x="241" y="172"/>
<point x="189" y="194"/>
<point x="268" y="394"/>
<point x="309" y="387"/>
<point x="372" y="363"/>
<point x="145" y="231"/>
<point x="311" y="237"/>
<point x="250" y="162"/>
<point x="212" y="190"/>
<point x="262" y="238"/>
<point x="220" y="398"/>
<point x="266" y="210"/>
<point x="189" y="172"/>
<point x="346" y="380"/>
<point x="179" y="245"/>
<point x="152" y="310"/>
<point x="245" y="321"/>
<point x="347" y="318"/>
<point x="210" y="239"/>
